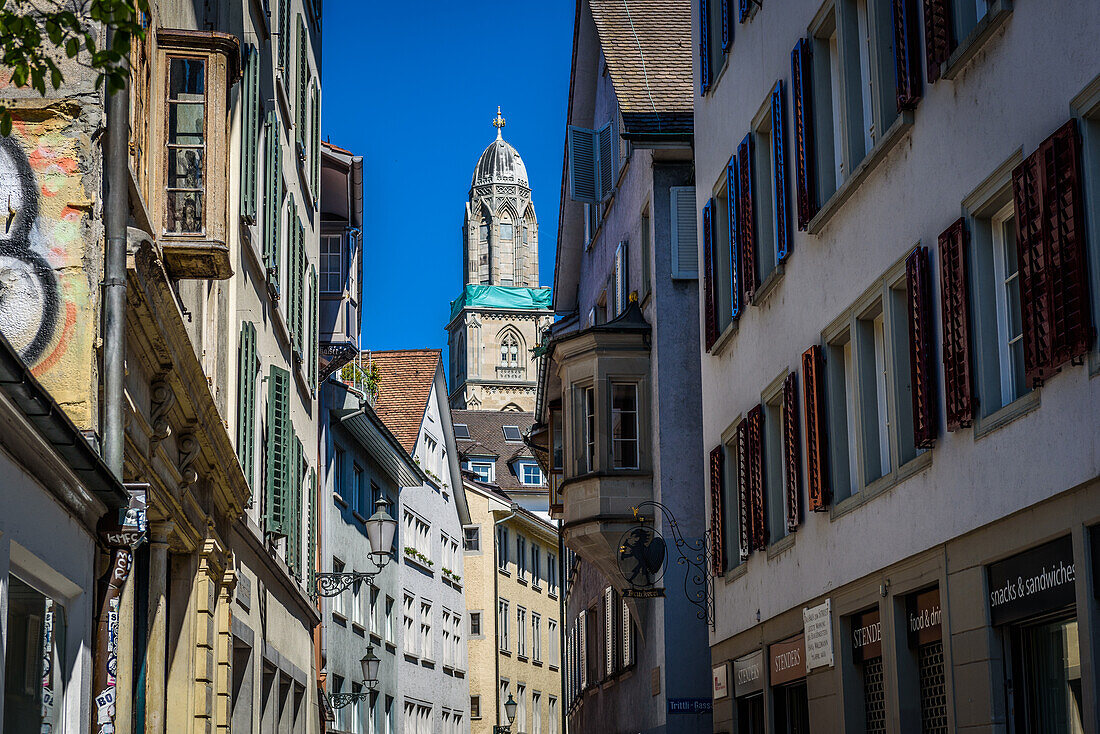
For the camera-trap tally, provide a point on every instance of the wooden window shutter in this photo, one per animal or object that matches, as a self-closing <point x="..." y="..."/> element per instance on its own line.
<point x="274" y="203"/>
<point x="277" y="449"/>
<point x="743" y="9"/>
<point x="300" y="274"/>
<point x="746" y="230"/>
<point x="734" y="253"/>
<point x="918" y="283"/>
<point x="756" y="477"/>
<point x="294" y="505"/>
<point x="704" y="48"/>
<point x="582" y="634"/>
<point x="609" y="631"/>
<point x="813" y="391"/>
<point x="792" y="451"/>
<point x="583" y="148"/>
<point x="727" y="26"/>
<point x="628" y="637"/>
<point x="250" y="131"/>
<point x="717" y="511"/>
<point x="744" y="495"/>
<point x="315" y="137"/>
<point x="606" y="158"/>
<point x="284" y="42"/>
<point x="907" y="77"/>
<point x="1050" y="230"/>
<point x="311" y="530"/>
<point x="779" y="172"/>
<point x="246" y="401"/>
<point x="958" y="380"/>
<point x="802" y="89"/>
<point x="685" y="238"/>
<point x="939" y="40"/>
<point x="301" y="114"/>
<point x="710" y="281"/>
<point x="314" y="328"/>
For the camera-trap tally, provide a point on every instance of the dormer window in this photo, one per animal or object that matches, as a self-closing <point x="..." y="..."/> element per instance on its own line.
<point x="529" y="473"/>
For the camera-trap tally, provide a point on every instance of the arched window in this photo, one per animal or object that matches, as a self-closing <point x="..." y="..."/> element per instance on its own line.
<point x="509" y="351"/>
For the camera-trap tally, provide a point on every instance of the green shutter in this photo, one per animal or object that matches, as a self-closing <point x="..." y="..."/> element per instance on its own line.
<point x="278" y="449"/>
<point x="250" y="132"/>
<point x="295" y="277"/>
<point x="294" y="497"/>
<point x="300" y="274"/>
<point x="274" y="190"/>
<point x="246" y="401"/>
<point x="311" y="528"/>
<point x="284" y="41"/>
<point x="300" y="113"/>
<point x="314" y="328"/>
<point x="316" y="144"/>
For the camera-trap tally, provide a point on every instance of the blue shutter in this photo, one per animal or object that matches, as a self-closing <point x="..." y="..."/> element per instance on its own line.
<point x="743" y="10"/>
<point x="583" y="148"/>
<point x="779" y="171"/>
<point x="605" y="155"/>
<point x="704" y="50"/>
<point x="735" y="255"/>
<point x="801" y="89"/>
<point x="727" y="26"/>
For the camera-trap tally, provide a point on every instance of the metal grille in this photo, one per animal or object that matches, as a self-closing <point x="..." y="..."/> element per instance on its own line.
<point x="874" y="695"/>
<point x="933" y="691"/>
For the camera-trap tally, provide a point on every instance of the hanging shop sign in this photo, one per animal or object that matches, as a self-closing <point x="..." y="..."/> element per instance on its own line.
<point x="1033" y="582"/>
<point x="867" y="635"/>
<point x="748" y="674"/>
<point x="817" y="626"/>
<point x="719" y="676"/>
<point x="642" y="556"/>
<point x="787" y="660"/>
<point x="922" y="617"/>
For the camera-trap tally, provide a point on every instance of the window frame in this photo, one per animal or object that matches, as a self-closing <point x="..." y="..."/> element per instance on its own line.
<point x="475" y="540"/>
<point x="613" y="383"/>
<point x="325" y="258"/>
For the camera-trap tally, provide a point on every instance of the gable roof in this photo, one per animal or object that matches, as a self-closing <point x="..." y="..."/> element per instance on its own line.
<point x="647" y="47"/>
<point x="405" y="378"/>
<point x="487" y="439"/>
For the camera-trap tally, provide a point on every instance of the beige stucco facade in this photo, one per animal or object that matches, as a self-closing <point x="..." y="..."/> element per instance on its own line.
<point x="503" y="664"/>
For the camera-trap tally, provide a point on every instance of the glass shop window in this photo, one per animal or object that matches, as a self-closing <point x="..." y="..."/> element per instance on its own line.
<point x="33" y="676"/>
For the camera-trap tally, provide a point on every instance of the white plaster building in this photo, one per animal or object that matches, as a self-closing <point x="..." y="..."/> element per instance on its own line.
<point x="898" y="207"/>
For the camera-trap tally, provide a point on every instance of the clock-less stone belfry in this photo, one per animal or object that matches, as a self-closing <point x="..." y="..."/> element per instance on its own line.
<point x="496" y="321"/>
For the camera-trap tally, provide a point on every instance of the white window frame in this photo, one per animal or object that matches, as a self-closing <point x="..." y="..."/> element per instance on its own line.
<point x="326" y="256"/>
<point x="502" y="626"/>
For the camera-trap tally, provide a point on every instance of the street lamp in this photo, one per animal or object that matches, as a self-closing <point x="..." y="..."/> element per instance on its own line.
<point x="370" y="663"/>
<point x="510" y="709"/>
<point x="380" y="530"/>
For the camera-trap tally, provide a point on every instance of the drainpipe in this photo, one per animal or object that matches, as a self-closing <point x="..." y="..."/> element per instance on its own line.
<point x="496" y="606"/>
<point x="562" y="615"/>
<point x="116" y="210"/>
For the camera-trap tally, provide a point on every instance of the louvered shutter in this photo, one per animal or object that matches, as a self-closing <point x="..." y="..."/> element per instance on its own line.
<point x="246" y="401"/>
<point x="609" y="632"/>
<point x="301" y="114"/>
<point x="704" y="49"/>
<point x="939" y="40"/>
<point x="746" y="229"/>
<point x="250" y="129"/>
<point x="743" y="10"/>
<point x="582" y="146"/>
<point x="710" y="294"/>
<point x="311" y="529"/>
<point x="273" y="205"/>
<point x="792" y="452"/>
<point x="284" y="42"/>
<point x="907" y="78"/>
<point x="813" y="392"/>
<point x="606" y="155"/>
<point x="628" y="636"/>
<point x="756" y="477"/>
<point x="727" y="26"/>
<point x="315" y="138"/>
<point x="685" y="238"/>
<point x="294" y="508"/>
<point x="779" y="172"/>
<point x="744" y="496"/>
<point x="734" y="250"/>
<point x="277" y="473"/>
<point x="802" y="89"/>
<point x="622" y="272"/>
<point x="1050" y="230"/>
<point x="300" y="273"/>
<point x="958" y="380"/>
<point x="314" y="328"/>
<point x="582" y="636"/>
<point x="717" y="511"/>
<point x="918" y="282"/>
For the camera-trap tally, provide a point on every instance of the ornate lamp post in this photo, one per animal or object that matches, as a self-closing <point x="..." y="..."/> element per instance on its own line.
<point x="370" y="663"/>
<point x="380" y="531"/>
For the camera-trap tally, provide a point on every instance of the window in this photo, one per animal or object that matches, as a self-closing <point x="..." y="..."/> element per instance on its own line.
<point x="624" y="425"/>
<point x="521" y="556"/>
<point x="552" y="714"/>
<point x="509" y="353"/>
<point x="426" y="630"/>
<point x="713" y="46"/>
<point x="552" y="639"/>
<point x="359" y="499"/>
<point x="471" y="538"/>
<point x="418" y="539"/>
<point x="774" y="471"/>
<point x="410" y="633"/>
<point x="333" y="273"/>
<point x="506" y="230"/>
<point x="763" y="196"/>
<point x="462" y="431"/>
<point x="475" y="707"/>
<point x="340" y="601"/>
<point x="593" y="161"/>
<point x="391" y="633"/>
<point x="512" y="434"/>
<point x="502" y="625"/>
<point x="536" y="712"/>
<point x="536" y="565"/>
<point x="551" y="573"/>
<point x="828" y="164"/>
<point x="584" y="412"/>
<point x="502" y="548"/>
<point x="530" y="474"/>
<point x="448" y="648"/>
<point x="966" y="15"/>
<point x="475" y="624"/>
<point x="536" y="637"/>
<point x="521" y="632"/>
<point x="373" y="612"/>
<point x="521" y="708"/>
<point x="339" y="466"/>
<point x="35" y="674"/>
<point x="185" y="187"/>
<point x="485" y="470"/>
<point x="647" y="255"/>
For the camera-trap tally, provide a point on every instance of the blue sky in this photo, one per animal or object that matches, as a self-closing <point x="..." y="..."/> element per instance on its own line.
<point x="413" y="88"/>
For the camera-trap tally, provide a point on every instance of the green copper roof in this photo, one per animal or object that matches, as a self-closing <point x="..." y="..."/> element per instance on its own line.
<point x="501" y="296"/>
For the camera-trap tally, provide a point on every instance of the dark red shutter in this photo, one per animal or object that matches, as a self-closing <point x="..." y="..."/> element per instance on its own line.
<point x="735" y="257"/>
<point x="792" y="451"/>
<point x="939" y="40"/>
<point x="802" y="90"/>
<point x="958" y="380"/>
<point x="906" y="60"/>
<point x="704" y="51"/>
<point x="746" y="232"/>
<point x="813" y="390"/>
<point x="1051" y="245"/>
<point x="756" y="477"/>
<point x="779" y="172"/>
<point x="744" y="495"/>
<point x="717" y="516"/>
<point x="918" y="283"/>
<point x="710" y="290"/>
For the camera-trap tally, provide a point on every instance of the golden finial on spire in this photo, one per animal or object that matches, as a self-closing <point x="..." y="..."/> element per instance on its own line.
<point x="498" y="123"/>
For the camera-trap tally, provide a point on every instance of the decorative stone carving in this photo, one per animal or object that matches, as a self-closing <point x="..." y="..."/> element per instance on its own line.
<point x="161" y="400"/>
<point x="189" y="448"/>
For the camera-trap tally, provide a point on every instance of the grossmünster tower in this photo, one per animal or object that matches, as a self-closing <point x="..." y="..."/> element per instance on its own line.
<point x="496" y="321"/>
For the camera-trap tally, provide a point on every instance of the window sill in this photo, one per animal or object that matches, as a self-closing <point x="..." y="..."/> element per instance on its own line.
<point x="339" y="618"/>
<point x="723" y="339"/>
<point x="358" y="629"/>
<point x="998" y="13"/>
<point x="781" y="546"/>
<point x="736" y="572"/>
<point x="1000" y="418"/>
<point x="375" y="638"/>
<point x="896" y="132"/>
<point x="521" y="657"/>
<point x="553" y="667"/>
<point x="521" y="581"/>
<point x="357" y="516"/>
<point x="502" y="572"/>
<point x="414" y="562"/>
<point x="765" y="289"/>
<point x="881" y="485"/>
<point x="552" y="595"/>
<point x="339" y="500"/>
<point x="536" y="662"/>
<point x="536" y="588"/>
<point x="506" y="652"/>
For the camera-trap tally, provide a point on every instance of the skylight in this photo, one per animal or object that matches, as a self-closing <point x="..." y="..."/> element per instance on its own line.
<point x="511" y="433"/>
<point x="462" y="431"/>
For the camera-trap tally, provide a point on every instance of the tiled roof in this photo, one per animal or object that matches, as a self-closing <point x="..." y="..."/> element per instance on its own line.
<point x="487" y="439"/>
<point x="647" y="45"/>
<point x="405" y="378"/>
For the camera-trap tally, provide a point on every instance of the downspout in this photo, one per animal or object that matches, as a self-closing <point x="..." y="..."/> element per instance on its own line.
<point x="496" y="606"/>
<point x="116" y="211"/>
<point x="562" y="615"/>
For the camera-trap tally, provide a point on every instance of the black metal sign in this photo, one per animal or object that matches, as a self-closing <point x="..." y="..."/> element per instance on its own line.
<point x="1033" y="582"/>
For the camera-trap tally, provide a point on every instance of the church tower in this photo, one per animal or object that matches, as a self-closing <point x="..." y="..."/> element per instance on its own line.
<point x="497" y="319"/>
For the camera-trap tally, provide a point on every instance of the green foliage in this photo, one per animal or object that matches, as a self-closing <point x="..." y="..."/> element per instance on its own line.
<point x="32" y="32"/>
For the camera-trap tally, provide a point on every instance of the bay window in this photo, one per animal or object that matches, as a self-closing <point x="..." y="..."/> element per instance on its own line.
<point x="624" y="425"/>
<point x="186" y="143"/>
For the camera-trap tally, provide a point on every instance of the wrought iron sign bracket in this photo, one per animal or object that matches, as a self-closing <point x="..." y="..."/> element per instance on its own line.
<point x="340" y="700"/>
<point x="694" y="555"/>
